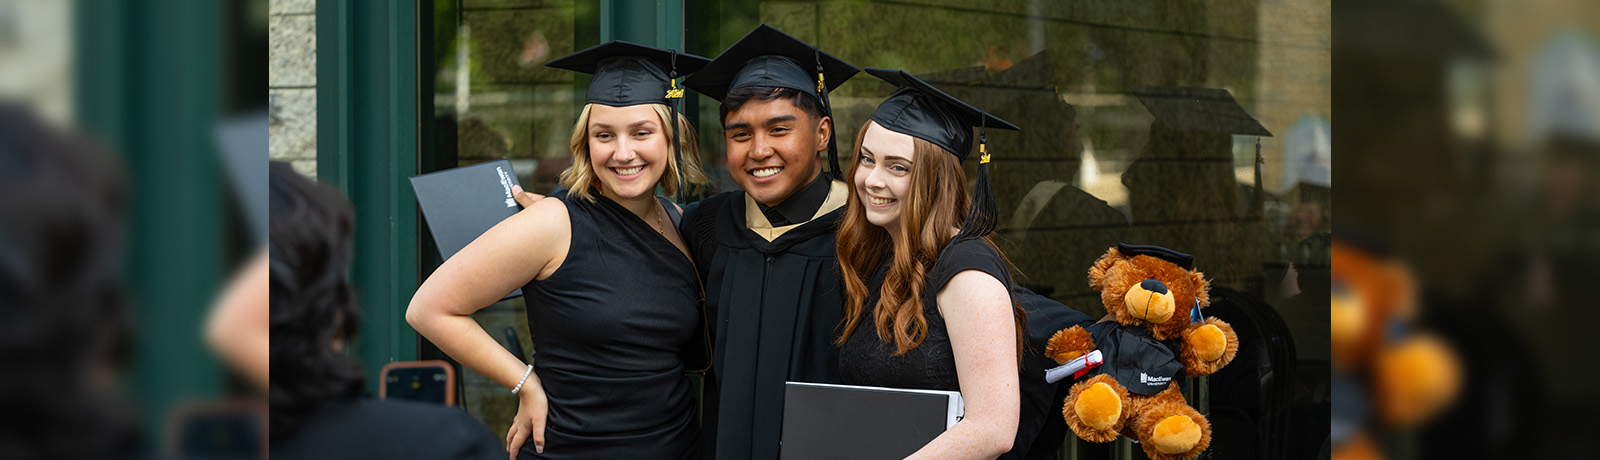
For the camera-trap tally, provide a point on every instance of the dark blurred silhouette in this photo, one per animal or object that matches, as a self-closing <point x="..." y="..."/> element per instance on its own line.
<point x="1061" y="226"/>
<point x="319" y="408"/>
<point x="65" y="325"/>
<point x="1182" y="190"/>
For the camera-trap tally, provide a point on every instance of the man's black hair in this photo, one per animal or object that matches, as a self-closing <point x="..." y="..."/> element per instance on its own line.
<point x="736" y="98"/>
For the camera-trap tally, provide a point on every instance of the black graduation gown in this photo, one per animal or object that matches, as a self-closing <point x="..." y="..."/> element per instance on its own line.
<point x="774" y="307"/>
<point x="1142" y="364"/>
<point x="1040" y="426"/>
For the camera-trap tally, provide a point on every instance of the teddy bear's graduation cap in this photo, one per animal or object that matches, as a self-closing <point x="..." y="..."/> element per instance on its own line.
<point x="1177" y="258"/>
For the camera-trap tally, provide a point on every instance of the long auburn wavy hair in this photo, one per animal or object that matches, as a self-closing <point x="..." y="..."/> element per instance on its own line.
<point x="578" y="177"/>
<point x="936" y="204"/>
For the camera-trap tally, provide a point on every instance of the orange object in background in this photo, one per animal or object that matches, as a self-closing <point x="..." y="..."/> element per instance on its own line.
<point x="1399" y="376"/>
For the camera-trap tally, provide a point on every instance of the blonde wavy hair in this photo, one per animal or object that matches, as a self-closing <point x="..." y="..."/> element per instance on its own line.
<point x="580" y="176"/>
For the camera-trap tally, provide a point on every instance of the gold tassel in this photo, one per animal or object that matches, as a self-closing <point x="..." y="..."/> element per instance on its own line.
<point x="674" y="93"/>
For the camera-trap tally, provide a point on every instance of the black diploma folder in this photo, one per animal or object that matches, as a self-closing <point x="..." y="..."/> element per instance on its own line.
<point x="823" y="421"/>
<point x="462" y="203"/>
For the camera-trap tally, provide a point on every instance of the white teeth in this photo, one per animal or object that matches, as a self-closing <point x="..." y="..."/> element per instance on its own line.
<point x="629" y="171"/>
<point x="880" y="201"/>
<point x="766" y="172"/>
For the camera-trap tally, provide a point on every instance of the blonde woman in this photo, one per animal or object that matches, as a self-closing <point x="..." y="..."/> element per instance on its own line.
<point x="611" y="293"/>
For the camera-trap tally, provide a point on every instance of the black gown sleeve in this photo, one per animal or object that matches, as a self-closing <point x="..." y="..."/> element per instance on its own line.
<point x="699" y="230"/>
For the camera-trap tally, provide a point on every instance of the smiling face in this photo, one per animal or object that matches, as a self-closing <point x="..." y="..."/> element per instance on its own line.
<point x="772" y="147"/>
<point x="882" y="178"/>
<point x="628" y="149"/>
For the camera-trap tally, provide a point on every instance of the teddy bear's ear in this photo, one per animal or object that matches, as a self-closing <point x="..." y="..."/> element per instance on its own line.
<point x="1202" y="288"/>
<point x="1097" y="273"/>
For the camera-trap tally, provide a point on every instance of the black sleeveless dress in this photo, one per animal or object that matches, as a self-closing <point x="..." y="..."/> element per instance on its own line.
<point x="607" y="328"/>
<point x="866" y="360"/>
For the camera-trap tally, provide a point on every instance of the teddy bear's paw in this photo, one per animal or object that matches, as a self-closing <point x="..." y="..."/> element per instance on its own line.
<point x="1068" y="344"/>
<point x="1415" y="378"/>
<point x="1096" y="409"/>
<point x="1360" y="448"/>
<point x="1207" y="341"/>
<point x="1099" y="407"/>
<point x="1207" y="346"/>
<point x="1173" y="432"/>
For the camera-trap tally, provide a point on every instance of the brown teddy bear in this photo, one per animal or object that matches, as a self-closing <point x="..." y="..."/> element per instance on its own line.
<point x="1388" y="373"/>
<point x="1154" y="295"/>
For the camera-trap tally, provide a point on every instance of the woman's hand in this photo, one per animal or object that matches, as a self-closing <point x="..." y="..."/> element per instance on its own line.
<point x="532" y="408"/>
<point x="523" y="198"/>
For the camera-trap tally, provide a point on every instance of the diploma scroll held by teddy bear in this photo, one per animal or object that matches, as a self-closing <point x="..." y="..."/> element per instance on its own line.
<point x="1158" y="336"/>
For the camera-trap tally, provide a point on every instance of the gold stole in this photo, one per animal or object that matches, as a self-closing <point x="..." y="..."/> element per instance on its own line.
<point x="757" y="222"/>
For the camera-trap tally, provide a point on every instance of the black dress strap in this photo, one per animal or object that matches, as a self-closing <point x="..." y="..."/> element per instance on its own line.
<point x="960" y="257"/>
<point x="672" y="210"/>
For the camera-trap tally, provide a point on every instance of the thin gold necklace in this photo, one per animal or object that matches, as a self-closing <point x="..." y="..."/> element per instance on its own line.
<point x="660" y="227"/>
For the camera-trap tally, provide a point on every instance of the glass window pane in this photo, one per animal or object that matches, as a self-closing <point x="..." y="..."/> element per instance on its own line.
<point x="1095" y="166"/>
<point x="494" y="99"/>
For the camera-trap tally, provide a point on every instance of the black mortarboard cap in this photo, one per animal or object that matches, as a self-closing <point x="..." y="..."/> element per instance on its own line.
<point x="629" y="73"/>
<point x="1207" y="110"/>
<point x="922" y="111"/>
<point x="768" y="57"/>
<point x="1180" y="259"/>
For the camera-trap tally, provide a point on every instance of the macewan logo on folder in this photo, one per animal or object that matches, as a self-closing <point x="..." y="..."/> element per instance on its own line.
<point x="823" y="421"/>
<point x="462" y="203"/>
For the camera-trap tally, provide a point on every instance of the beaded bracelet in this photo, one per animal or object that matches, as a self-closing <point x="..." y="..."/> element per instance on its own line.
<point x="524" y="379"/>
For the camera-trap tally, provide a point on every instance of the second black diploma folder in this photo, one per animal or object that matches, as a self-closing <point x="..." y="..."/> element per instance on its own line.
<point x="822" y="421"/>
<point x="462" y="203"/>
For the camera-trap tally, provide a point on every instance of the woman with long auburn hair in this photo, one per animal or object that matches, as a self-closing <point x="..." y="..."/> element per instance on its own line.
<point x="928" y="300"/>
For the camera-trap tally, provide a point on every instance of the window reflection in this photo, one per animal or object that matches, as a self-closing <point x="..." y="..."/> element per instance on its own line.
<point x="494" y="99"/>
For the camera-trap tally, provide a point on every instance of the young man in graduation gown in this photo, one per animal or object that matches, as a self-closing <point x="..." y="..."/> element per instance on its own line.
<point x="767" y="253"/>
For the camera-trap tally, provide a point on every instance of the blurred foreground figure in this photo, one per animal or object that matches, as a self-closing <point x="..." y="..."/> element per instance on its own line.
<point x="65" y="328"/>
<point x="318" y="406"/>
<point x="237" y="329"/>
<point x="1386" y="374"/>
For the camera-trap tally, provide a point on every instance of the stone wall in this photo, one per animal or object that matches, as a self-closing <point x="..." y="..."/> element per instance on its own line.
<point x="292" y="84"/>
<point x="36" y="55"/>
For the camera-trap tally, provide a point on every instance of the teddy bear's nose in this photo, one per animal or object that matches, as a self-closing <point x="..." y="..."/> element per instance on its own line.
<point x="1154" y="286"/>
